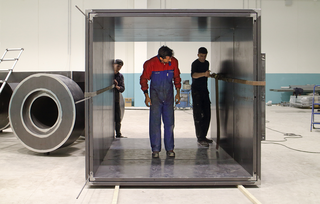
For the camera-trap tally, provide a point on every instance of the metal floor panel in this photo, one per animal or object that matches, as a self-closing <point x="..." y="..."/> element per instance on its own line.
<point x="131" y="158"/>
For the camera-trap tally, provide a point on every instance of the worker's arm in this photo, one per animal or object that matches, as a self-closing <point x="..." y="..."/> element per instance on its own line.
<point x="120" y="84"/>
<point x="197" y="75"/>
<point x="144" y="83"/>
<point x="177" y="98"/>
<point x="147" y="101"/>
<point x="177" y="80"/>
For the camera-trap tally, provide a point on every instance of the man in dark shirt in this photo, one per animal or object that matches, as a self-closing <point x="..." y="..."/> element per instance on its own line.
<point x="118" y="88"/>
<point x="200" y="96"/>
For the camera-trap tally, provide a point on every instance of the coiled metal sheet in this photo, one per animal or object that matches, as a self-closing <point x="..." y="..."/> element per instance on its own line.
<point x="5" y="96"/>
<point x="43" y="113"/>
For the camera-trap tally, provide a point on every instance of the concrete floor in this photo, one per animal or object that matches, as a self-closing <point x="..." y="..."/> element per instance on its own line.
<point x="288" y="175"/>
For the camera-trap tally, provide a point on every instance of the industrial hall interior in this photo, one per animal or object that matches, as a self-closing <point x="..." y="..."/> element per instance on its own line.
<point x="159" y="101"/>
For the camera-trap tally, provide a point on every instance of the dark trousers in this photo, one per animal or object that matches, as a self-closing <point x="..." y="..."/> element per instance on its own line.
<point x="117" y="119"/>
<point x="201" y="113"/>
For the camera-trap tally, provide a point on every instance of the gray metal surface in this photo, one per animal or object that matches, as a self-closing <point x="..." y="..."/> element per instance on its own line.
<point x="130" y="159"/>
<point x="5" y="96"/>
<point x="235" y="37"/>
<point x="237" y="55"/>
<point x="99" y="74"/>
<point x="43" y="114"/>
<point x="244" y="96"/>
<point x="17" y="77"/>
<point x="290" y="88"/>
<point x="161" y="25"/>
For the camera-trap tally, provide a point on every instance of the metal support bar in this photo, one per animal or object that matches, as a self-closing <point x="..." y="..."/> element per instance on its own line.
<point x="83" y="187"/>
<point x="9" y="59"/>
<point x="4" y="54"/>
<point x="312" y="111"/>
<point x="88" y="95"/>
<point x="115" y="195"/>
<point x="14" y="49"/>
<point x="248" y="194"/>
<point x="217" y="113"/>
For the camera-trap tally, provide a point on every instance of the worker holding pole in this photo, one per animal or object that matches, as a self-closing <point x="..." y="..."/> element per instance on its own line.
<point x="118" y="88"/>
<point x="200" y="97"/>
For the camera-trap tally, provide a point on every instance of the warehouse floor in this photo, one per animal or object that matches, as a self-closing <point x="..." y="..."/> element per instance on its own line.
<point x="288" y="174"/>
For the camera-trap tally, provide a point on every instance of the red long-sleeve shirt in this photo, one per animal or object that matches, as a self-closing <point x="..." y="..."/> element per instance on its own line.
<point x="154" y="65"/>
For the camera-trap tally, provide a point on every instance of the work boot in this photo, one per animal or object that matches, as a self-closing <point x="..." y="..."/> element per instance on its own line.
<point x="155" y="154"/>
<point x="203" y="143"/>
<point x="171" y="153"/>
<point x="120" y="136"/>
<point x="208" y="140"/>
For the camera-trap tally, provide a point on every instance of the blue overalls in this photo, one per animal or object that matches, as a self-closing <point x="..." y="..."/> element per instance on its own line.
<point x="162" y="100"/>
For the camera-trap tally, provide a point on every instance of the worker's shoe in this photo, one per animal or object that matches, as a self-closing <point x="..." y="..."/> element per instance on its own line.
<point x="171" y="153"/>
<point x="155" y="154"/>
<point x="203" y="143"/>
<point x="120" y="136"/>
<point x="208" y="140"/>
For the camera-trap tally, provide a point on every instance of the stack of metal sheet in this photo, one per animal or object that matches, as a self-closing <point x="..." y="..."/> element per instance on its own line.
<point x="303" y="101"/>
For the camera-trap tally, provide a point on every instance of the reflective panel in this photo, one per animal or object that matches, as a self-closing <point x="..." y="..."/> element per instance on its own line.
<point x="235" y="52"/>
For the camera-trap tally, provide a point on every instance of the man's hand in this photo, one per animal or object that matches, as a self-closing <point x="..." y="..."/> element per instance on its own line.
<point x="177" y="98"/>
<point x="207" y="73"/>
<point x="147" y="101"/>
<point x="115" y="82"/>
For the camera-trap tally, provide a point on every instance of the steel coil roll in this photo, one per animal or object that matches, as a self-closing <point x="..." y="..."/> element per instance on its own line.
<point x="43" y="113"/>
<point x="5" y="96"/>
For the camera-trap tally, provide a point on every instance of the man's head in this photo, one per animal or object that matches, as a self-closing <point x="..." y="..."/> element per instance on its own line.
<point x="165" y="54"/>
<point x="202" y="54"/>
<point x="117" y="65"/>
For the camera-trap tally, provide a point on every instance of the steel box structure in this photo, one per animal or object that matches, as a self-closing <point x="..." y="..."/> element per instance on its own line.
<point x="236" y="53"/>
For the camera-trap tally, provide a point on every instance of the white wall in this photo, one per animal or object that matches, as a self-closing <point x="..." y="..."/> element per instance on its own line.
<point x="185" y="52"/>
<point x="41" y="27"/>
<point x="52" y="32"/>
<point x="291" y="36"/>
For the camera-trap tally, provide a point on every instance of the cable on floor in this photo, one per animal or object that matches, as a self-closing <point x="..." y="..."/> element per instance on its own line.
<point x="287" y="136"/>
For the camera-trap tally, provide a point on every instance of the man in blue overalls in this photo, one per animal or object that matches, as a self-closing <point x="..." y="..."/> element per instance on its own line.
<point x="161" y="70"/>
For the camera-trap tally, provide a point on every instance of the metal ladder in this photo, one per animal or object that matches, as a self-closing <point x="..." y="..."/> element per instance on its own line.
<point x="313" y="113"/>
<point x="3" y="59"/>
